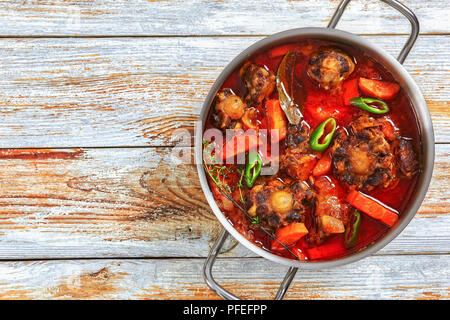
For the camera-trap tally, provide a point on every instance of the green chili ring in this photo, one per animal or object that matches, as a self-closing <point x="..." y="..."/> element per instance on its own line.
<point x="318" y="141"/>
<point x="253" y="168"/>
<point x="363" y="103"/>
<point x="351" y="232"/>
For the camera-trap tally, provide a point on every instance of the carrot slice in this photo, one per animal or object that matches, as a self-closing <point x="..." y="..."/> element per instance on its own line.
<point x="323" y="166"/>
<point x="289" y="235"/>
<point x="350" y="90"/>
<point x="240" y="143"/>
<point x="378" y="89"/>
<point x="372" y="208"/>
<point x="276" y="119"/>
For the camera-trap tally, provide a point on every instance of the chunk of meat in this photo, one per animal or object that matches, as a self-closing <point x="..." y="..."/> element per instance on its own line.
<point x="372" y="155"/>
<point x="330" y="67"/>
<point x="297" y="137"/>
<point x="298" y="159"/>
<point x="407" y="159"/>
<point x="228" y="109"/>
<point x="278" y="204"/>
<point x="329" y="200"/>
<point x="250" y="118"/>
<point x="364" y="159"/>
<point x="361" y="159"/>
<point x="331" y="213"/>
<point x="298" y="166"/>
<point x="259" y="81"/>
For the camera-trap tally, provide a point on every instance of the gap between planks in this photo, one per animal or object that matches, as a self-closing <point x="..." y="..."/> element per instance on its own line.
<point x="138" y="258"/>
<point x="139" y="95"/>
<point x="139" y="203"/>
<point x="196" y="35"/>
<point x="130" y="147"/>
<point x="419" y="277"/>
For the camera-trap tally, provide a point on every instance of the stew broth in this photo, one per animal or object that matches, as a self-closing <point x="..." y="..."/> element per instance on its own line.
<point x="319" y="105"/>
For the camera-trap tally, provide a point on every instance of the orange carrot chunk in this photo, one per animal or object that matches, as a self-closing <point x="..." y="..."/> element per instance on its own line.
<point x="289" y="235"/>
<point x="323" y="166"/>
<point x="378" y="89"/>
<point x="372" y="208"/>
<point x="240" y="143"/>
<point x="276" y="119"/>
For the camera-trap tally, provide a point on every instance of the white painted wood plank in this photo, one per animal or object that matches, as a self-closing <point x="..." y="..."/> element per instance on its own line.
<point x="133" y="202"/>
<point x="377" y="277"/>
<point x="206" y="17"/>
<point x="135" y="91"/>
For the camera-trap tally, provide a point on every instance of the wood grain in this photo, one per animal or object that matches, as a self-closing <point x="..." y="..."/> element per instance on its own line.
<point x="376" y="277"/>
<point x="206" y="17"/>
<point x="101" y="79"/>
<point x="73" y="92"/>
<point x="136" y="202"/>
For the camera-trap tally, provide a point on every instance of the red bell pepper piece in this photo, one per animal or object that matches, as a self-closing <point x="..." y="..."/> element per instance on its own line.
<point x="299" y="253"/>
<point x="333" y="248"/>
<point x="349" y="91"/>
<point x="323" y="166"/>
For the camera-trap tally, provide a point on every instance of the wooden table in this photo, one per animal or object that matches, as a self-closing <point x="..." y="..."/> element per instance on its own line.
<point x="90" y="93"/>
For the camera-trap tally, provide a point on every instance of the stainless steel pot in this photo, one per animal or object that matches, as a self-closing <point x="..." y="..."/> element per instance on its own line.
<point x="399" y="73"/>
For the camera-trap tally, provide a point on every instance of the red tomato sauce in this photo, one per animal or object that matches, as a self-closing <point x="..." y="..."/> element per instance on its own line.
<point x="320" y="105"/>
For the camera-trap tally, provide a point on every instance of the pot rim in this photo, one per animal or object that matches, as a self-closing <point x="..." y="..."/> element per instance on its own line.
<point x="406" y="82"/>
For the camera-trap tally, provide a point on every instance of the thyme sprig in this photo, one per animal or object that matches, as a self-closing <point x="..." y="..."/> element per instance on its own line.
<point x="240" y="185"/>
<point x="218" y="173"/>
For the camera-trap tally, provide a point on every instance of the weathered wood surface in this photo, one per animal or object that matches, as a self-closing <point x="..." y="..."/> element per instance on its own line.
<point x="136" y="202"/>
<point x="92" y="76"/>
<point x="206" y="17"/>
<point x="376" y="277"/>
<point x="74" y="92"/>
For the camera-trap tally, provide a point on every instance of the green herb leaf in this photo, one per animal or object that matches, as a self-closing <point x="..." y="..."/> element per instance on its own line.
<point x="255" y="220"/>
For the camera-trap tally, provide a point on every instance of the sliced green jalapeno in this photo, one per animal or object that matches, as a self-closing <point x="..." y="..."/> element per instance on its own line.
<point x="252" y="168"/>
<point x="372" y="105"/>
<point x="352" y="230"/>
<point x="320" y="139"/>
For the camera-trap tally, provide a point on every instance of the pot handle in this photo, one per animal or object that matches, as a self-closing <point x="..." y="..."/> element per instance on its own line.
<point x="211" y="282"/>
<point x="397" y="5"/>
